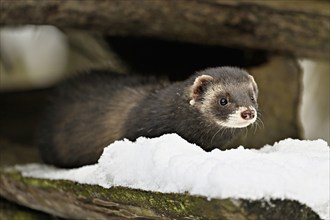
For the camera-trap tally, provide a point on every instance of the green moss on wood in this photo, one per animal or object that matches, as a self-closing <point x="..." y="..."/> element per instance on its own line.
<point x="128" y="202"/>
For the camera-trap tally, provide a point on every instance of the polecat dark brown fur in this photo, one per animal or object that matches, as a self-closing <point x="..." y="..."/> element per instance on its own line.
<point x="95" y="109"/>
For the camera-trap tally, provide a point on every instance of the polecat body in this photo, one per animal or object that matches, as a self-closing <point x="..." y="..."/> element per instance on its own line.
<point x="97" y="108"/>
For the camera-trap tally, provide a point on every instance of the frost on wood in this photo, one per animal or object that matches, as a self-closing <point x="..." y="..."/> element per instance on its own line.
<point x="71" y="200"/>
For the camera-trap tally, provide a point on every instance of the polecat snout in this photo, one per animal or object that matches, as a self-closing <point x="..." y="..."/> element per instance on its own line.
<point x="95" y="109"/>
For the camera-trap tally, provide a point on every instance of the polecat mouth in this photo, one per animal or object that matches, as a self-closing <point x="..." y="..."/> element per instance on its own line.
<point x="242" y="117"/>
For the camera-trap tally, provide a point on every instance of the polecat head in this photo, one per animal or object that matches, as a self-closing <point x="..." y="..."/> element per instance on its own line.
<point x="226" y="95"/>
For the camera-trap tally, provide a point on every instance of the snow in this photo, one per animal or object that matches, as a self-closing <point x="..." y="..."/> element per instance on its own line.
<point x="291" y="169"/>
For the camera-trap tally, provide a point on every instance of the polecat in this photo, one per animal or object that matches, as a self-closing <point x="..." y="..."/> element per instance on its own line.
<point x="97" y="108"/>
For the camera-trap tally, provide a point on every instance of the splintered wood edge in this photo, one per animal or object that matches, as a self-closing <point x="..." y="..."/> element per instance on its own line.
<point x="72" y="200"/>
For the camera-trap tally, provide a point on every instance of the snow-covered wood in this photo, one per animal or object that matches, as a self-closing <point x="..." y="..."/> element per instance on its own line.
<point x="79" y="201"/>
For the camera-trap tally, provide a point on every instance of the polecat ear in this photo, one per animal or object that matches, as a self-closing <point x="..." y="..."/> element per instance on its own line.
<point x="199" y="87"/>
<point x="254" y="85"/>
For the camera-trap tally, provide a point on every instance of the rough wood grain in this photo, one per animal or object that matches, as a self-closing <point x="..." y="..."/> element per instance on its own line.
<point x="76" y="201"/>
<point x="299" y="27"/>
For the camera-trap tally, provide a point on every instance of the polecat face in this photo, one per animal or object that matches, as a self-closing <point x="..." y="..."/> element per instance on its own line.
<point x="226" y="95"/>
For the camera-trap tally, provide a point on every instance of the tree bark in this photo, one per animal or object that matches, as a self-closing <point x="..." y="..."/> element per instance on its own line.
<point x="298" y="27"/>
<point x="77" y="201"/>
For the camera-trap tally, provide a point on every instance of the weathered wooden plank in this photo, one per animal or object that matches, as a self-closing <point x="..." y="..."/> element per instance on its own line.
<point x="299" y="27"/>
<point x="77" y="201"/>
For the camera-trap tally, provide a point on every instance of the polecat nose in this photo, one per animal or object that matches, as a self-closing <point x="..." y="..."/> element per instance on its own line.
<point x="248" y="114"/>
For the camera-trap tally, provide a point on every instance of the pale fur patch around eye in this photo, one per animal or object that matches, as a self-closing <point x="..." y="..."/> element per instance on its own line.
<point x="209" y="98"/>
<point x="236" y="121"/>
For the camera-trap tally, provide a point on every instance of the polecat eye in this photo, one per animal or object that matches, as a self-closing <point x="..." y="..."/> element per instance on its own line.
<point x="252" y="98"/>
<point x="223" y="101"/>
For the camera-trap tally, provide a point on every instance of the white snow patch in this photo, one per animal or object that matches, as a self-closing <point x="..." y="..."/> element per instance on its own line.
<point x="291" y="169"/>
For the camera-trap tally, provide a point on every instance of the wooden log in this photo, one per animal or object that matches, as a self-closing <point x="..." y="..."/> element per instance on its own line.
<point x="12" y="211"/>
<point x="298" y="27"/>
<point x="78" y="201"/>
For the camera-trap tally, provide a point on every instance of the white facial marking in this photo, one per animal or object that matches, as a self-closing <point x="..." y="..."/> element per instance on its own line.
<point x="235" y="119"/>
<point x="209" y="97"/>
